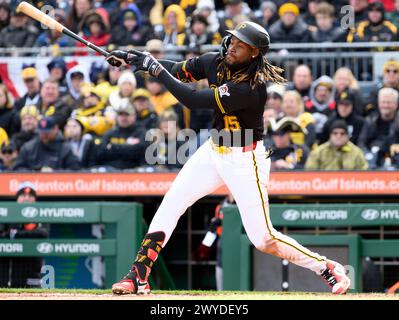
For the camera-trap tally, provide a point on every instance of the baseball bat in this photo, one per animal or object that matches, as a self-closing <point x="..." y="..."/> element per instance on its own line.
<point x="48" y="21"/>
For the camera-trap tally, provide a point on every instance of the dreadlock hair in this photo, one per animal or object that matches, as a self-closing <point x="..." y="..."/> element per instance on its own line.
<point x="258" y="72"/>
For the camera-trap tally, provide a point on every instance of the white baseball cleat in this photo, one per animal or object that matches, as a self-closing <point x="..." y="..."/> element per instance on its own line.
<point x="334" y="275"/>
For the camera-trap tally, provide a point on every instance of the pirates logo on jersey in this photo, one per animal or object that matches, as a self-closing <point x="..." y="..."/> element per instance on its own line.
<point x="224" y="90"/>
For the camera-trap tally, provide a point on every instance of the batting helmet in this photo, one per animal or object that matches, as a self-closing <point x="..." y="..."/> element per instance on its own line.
<point x="252" y="34"/>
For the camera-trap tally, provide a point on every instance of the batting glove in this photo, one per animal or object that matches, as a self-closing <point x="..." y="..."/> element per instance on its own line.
<point x="118" y="58"/>
<point x="144" y="61"/>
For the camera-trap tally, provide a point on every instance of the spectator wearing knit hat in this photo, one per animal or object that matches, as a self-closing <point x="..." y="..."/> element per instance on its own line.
<point x="127" y="84"/>
<point x="290" y="28"/>
<point x="29" y="117"/>
<point x="338" y="153"/>
<point x="206" y="8"/>
<point x="268" y="14"/>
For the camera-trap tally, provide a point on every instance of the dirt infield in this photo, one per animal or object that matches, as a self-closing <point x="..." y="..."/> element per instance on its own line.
<point x="184" y="295"/>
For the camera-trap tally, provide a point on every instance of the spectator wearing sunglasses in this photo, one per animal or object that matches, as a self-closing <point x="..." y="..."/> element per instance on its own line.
<point x="390" y="80"/>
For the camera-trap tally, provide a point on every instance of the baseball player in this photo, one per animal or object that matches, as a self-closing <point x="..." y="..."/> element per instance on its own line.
<point x="234" y="155"/>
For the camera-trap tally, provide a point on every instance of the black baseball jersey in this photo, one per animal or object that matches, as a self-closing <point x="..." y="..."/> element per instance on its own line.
<point x="237" y="106"/>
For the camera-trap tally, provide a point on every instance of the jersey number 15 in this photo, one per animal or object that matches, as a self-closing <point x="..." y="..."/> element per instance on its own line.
<point x="231" y="123"/>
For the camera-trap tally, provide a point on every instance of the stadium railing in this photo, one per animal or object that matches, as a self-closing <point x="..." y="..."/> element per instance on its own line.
<point x="322" y="58"/>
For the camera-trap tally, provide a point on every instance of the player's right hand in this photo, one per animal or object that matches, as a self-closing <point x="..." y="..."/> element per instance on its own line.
<point x="118" y="58"/>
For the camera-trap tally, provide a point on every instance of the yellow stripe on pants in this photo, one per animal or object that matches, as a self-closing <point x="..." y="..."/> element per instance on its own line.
<point x="266" y="217"/>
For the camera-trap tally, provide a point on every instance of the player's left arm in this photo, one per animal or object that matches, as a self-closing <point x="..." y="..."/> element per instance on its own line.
<point x="227" y="98"/>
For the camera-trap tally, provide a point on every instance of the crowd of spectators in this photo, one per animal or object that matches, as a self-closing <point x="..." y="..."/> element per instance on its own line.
<point x="96" y="117"/>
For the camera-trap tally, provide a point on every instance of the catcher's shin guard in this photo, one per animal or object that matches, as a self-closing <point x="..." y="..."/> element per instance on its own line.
<point x="136" y="281"/>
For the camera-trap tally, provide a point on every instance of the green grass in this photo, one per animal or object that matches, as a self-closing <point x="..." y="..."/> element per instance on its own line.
<point x="193" y="294"/>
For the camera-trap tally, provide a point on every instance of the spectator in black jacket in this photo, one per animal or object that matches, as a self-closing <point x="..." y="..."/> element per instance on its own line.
<point x="48" y="152"/>
<point x="82" y="144"/>
<point x="130" y="29"/>
<point x="269" y="16"/>
<point x="32" y="83"/>
<point x="344" y="111"/>
<point x="19" y="33"/>
<point x="198" y="34"/>
<point x="290" y="28"/>
<point x="392" y="147"/>
<point x="167" y="154"/>
<point x="146" y="116"/>
<point x="124" y="146"/>
<point x="57" y="69"/>
<point x="375" y="27"/>
<point x="379" y="126"/>
<point x="310" y="11"/>
<point x="345" y="81"/>
<point x="287" y="155"/>
<point x="302" y="82"/>
<point x="49" y="105"/>
<point x="325" y="29"/>
<point x="29" y="117"/>
<point x="5" y="12"/>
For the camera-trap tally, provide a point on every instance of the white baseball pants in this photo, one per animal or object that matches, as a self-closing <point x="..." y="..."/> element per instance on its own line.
<point x="246" y="174"/>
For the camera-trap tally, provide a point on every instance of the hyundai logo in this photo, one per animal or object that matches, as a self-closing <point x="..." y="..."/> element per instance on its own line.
<point x="370" y="214"/>
<point x="30" y="212"/>
<point x="44" y="247"/>
<point x="291" y="215"/>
